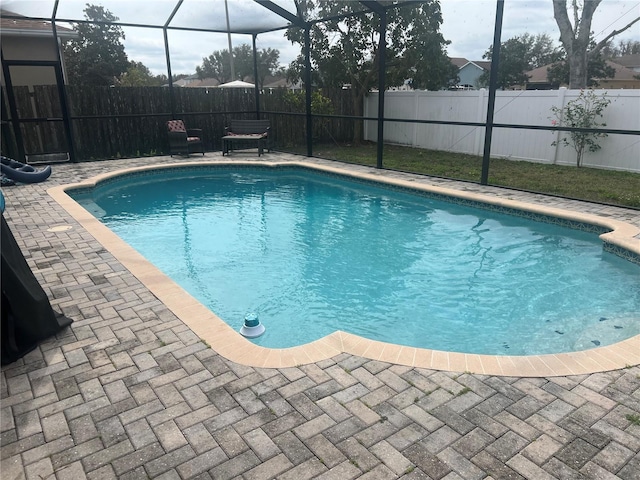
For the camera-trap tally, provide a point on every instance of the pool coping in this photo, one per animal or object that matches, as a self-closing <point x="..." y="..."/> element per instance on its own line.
<point x="229" y="343"/>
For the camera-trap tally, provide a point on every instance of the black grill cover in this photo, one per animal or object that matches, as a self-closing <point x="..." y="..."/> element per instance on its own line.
<point x="27" y="316"/>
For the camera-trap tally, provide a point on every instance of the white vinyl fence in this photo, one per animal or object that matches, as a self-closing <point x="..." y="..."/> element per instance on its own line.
<point x="532" y="107"/>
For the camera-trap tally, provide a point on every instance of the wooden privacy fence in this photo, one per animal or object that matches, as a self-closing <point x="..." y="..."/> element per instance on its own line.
<point x="114" y="122"/>
<point x="42" y="135"/>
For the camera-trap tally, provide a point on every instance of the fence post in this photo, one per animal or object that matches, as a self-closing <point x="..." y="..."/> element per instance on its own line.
<point x="561" y="97"/>
<point x="416" y="116"/>
<point x="365" y="112"/>
<point x="480" y="116"/>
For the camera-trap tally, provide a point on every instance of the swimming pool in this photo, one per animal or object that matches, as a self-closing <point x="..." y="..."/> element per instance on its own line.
<point x="404" y="299"/>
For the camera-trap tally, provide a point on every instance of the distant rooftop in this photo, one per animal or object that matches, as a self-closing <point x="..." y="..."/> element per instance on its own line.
<point x="539" y="75"/>
<point x="461" y="62"/>
<point x="629" y="61"/>
<point x="23" y="26"/>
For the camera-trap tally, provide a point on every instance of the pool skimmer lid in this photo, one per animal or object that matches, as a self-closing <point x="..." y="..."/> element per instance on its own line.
<point x="59" y="228"/>
<point x="252" y="327"/>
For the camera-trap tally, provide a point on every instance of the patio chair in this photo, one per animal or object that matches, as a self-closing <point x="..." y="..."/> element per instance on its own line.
<point x="182" y="140"/>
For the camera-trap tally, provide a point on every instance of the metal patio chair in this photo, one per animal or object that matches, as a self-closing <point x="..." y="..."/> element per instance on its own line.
<point x="182" y="140"/>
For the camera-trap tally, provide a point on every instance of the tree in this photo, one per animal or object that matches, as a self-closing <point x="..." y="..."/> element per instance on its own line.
<point x="215" y="66"/>
<point x="629" y="47"/>
<point x="520" y="54"/>
<point x="97" y="56"/>
<point x="268" y="64"/>
<point x="138" y="75"/>
<point x="583" y="112"/>
<point x="624" y="47"/>
<point x="320" y="105"/>
<point x="344" y="51"/>
<point x="575" y="37"/>
<point x="426" y="60"/>
<point x="218" y="66"/>
<point x="597" y="68"/>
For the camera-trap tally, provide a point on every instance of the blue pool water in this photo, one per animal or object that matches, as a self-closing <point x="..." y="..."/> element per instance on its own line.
<point x="311" y="254"/>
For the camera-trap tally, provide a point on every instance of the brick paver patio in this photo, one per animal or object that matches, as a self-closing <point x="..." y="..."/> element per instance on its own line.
<point x="129" y="391"/>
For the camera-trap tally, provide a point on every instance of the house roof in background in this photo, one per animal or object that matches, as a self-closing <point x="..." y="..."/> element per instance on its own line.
<point x="275" y="82"/>
<point x="628" y="61"/>
<point x="205" y="82"/>
<point x="192" y="81"/>
<point x="539" y="75"/>
<point x="30" y="28"/>
<point x="486" y="64"/>
<point x="461" y="62"/>
<point x="622" y="72"/>
<point x="280" y="81"/>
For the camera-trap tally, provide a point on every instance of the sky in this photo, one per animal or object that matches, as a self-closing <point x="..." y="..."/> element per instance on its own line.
<point x="468" y="24"/>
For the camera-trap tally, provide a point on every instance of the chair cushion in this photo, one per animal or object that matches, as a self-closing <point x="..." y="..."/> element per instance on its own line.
<point x="176" y="126"/>
<point x="247" y="135"/>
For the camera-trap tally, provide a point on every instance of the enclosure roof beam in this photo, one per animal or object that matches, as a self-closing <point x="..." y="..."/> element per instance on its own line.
<point x="142" y="25"/>
<point x="209" y="30"/>
<point x="173" y="13"/>
<point x="294" y="19"/>
<point x="278" y="10"/>
<point x="374" y="6"/>
<point x="55" y="10"/>
<point x="91" y="22"/>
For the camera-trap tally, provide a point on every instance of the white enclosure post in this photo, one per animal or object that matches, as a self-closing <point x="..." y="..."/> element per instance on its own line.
<point x="561" y="94"/>
<point x="480" y="116"/>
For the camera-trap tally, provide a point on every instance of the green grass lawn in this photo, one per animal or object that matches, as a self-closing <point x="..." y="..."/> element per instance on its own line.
<point x="607" y="186"/>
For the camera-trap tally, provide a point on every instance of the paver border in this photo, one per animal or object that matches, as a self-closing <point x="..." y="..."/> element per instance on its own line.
<point x="230" y="344"/>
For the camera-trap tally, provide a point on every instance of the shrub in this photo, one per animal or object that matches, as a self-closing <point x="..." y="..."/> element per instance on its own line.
<point x="583" y="112"/>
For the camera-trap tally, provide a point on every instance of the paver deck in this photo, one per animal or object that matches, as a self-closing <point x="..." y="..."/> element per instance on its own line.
<point x="130" y="391"/>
